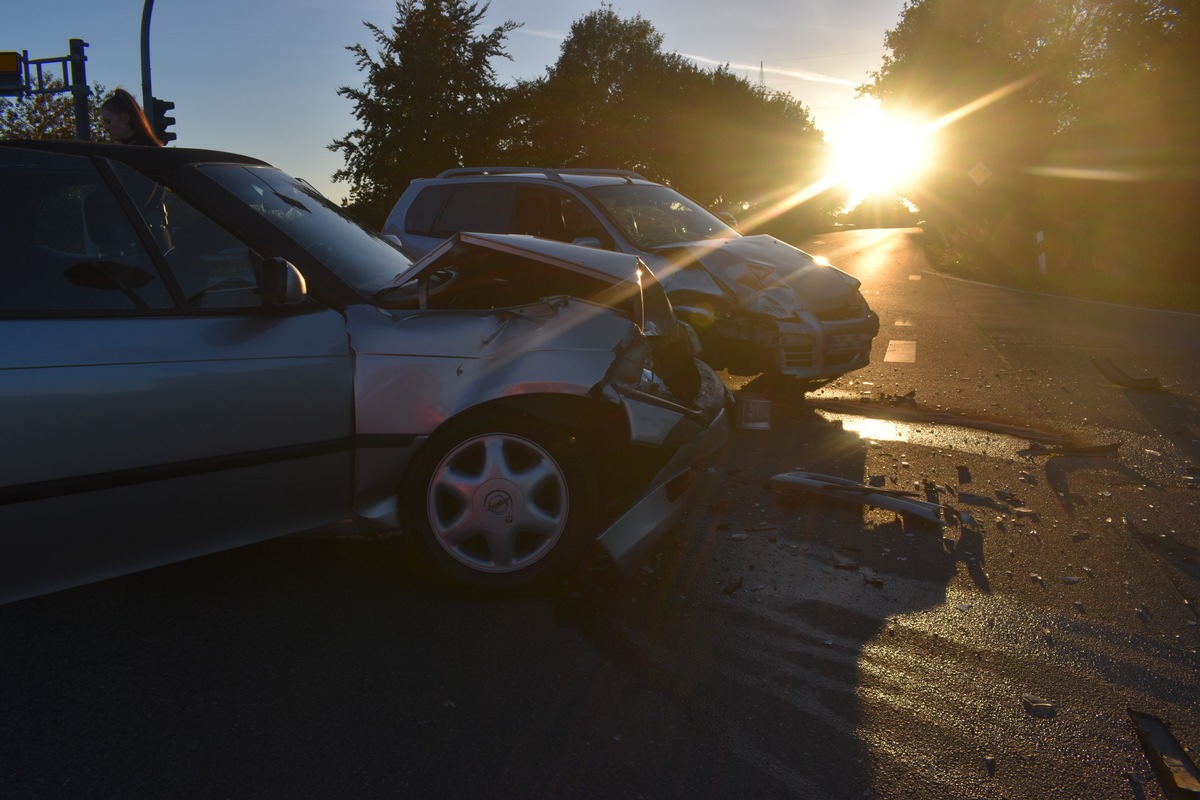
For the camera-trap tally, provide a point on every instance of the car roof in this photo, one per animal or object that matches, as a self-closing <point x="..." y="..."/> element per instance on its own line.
<point x="575" y="176"/>
<point x="148" y="159"/>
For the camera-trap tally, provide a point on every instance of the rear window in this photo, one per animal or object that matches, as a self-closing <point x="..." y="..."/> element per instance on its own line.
<point x="423" y="212"/>
<point x="478" y="209"/>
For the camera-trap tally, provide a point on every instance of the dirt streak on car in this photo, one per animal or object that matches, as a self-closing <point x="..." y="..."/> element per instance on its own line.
<point x="198" y="351"/>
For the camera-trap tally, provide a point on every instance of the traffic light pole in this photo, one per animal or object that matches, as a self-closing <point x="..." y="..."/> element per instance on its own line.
<point x="147" y="93"/>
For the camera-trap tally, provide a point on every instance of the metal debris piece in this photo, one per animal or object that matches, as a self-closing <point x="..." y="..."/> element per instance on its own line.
<point x="1171" y="764"/>
<point x="1118" y="376"/>
<point x="902" y="502"/>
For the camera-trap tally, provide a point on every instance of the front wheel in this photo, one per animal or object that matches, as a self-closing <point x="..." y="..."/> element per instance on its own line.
<point x="500" y="503"/>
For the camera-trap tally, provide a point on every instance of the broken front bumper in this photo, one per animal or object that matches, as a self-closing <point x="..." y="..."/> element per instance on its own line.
<point x="694" y="435"/>
<point x="807" y="348"/>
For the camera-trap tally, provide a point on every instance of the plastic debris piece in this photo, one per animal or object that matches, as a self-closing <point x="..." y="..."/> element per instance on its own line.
<point x="1039" y="706"/>
<point x="739" y="537"/>
<point x="1070" y="580"/>
<point x="1170" y="761"/>
<point x="1118" y="376"/>
<point x="900" y="501"/>
<point x="1042" y="449"/>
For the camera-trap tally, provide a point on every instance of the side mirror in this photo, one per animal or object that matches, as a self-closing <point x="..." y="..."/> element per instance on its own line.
<point x="588" y="241"/>
<point x="280" y="283"/>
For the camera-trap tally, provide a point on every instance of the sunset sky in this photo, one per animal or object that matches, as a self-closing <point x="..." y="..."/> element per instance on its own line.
<point x="261" y="78"/>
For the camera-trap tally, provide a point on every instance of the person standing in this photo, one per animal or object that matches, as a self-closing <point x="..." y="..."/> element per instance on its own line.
<point x="125" y="121"/>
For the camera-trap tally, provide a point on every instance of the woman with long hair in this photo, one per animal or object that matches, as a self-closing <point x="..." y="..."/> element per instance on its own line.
<point x="125" y="122"/>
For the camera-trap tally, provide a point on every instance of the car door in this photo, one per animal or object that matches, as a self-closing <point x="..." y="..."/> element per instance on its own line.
<point x="153" y="408"/>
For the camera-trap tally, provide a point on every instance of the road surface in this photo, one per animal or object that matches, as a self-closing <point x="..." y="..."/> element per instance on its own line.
<point x="777" y="647"/>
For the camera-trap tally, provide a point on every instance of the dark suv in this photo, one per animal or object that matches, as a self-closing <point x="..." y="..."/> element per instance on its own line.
<point x="758" y="305"/>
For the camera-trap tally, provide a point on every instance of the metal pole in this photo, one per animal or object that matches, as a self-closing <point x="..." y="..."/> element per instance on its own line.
<point x="79" y="88"/>
<point x="147" y="93"/>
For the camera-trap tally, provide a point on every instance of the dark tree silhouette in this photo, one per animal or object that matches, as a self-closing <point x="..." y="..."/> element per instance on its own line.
<point x="429" y="101"/>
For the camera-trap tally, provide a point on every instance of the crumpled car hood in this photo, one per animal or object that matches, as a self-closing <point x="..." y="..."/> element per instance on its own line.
<point x="769" y="276"/>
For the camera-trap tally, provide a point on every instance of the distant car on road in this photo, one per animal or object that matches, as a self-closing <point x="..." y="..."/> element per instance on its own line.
<point x="198" y="351"/>
<point x="758" y="305"/>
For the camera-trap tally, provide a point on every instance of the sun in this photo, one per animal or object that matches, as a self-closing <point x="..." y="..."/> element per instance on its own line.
<point x="878" y="154"/>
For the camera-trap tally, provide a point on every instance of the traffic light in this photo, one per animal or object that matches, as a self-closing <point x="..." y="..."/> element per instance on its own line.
<point x="12" y="74"/>
<point x="161" y="121"/>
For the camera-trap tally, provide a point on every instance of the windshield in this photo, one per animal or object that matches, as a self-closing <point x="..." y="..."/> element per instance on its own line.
<point x="654" y="216"/>
<point x="361" y="257"/>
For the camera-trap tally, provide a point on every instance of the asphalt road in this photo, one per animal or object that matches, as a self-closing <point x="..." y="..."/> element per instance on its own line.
<point x="777" y="647"/>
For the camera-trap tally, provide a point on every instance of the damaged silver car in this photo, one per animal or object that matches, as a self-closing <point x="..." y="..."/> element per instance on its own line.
<point x="198" y="351"/>
<point x="757" y="305"/>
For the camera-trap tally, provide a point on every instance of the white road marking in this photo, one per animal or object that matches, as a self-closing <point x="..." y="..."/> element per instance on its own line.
<point x="904" y="323"/>
<point x="914" y="277"/>
<point x="901" y="351"/>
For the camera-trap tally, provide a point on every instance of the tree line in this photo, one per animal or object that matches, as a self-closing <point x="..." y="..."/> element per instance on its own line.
<point x="430" y="100"/>
<point x="1078" y="119"/>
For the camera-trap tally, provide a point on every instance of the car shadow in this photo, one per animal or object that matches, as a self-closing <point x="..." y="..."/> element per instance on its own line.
<point x="732" y="666"/>
<point x="750" y="630"/>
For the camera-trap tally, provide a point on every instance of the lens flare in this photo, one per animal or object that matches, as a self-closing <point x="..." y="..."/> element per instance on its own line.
<point x="879" y="154"/>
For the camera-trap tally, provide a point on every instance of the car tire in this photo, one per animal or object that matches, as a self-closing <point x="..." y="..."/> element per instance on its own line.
<point x="501" y="502"/>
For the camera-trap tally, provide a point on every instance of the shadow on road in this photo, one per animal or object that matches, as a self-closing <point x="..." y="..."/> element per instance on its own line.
<point x="734" y="667"/>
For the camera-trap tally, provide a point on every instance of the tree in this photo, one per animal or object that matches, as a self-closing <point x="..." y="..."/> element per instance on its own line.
<point x="615" y="99"/>
<point x="48" y="116"/>
<point x="429" y="101"/>
<point x="1084" y="113"/>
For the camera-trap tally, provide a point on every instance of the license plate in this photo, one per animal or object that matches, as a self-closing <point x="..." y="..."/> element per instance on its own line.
<point x="840" y="342"/>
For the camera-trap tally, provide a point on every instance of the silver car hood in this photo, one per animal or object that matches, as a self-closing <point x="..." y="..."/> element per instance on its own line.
<point x="627" y="273"/>
<point x="769" y="276"/>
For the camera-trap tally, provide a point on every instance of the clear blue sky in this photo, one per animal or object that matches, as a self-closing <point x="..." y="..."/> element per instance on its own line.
<point x="261" y="77"/>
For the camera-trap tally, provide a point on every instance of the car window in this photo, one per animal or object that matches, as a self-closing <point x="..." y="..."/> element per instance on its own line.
<point x="355" y="253"/>
<point x="66" y="244"/>
<point x="213" y="268"/>
<point x="423" y="212"/>
<point x="476" y="208"/>
<point x="538" y="212"/>
<point x="656" y="216"/>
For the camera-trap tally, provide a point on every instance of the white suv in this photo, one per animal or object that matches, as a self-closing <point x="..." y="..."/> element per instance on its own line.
<point x="758" y="305"/>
